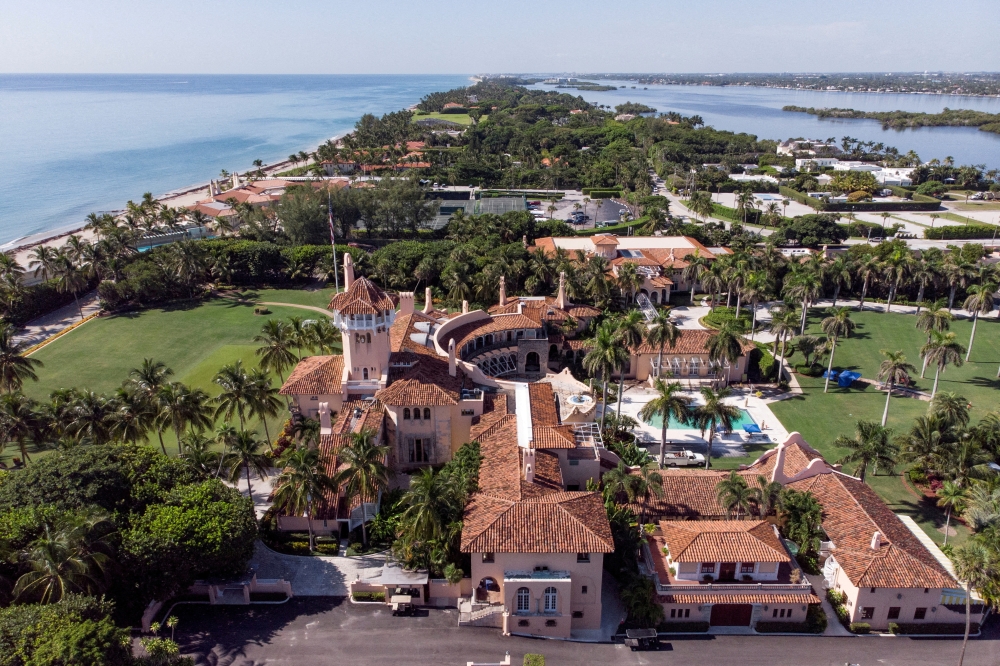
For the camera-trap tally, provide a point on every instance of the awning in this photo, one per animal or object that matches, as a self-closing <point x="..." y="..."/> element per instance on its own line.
<point x="751" y="428"/>
<point x="956" y="597"/>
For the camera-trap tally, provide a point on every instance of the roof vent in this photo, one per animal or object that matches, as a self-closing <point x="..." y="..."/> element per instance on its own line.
<point x="876" y="541"/>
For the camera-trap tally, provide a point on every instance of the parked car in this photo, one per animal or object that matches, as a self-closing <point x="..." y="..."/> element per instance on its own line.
<point x="683" y="459"/>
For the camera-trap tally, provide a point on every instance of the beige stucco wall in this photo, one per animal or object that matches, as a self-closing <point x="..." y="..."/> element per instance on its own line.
<point x="448" y="426"/>
<point x="692" y="571"/>
<point x="571" y="597"/>
<point x="373" y="355"/>
<point x="309" y="408"/>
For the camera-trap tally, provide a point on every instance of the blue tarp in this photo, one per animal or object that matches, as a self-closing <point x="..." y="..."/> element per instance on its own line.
<point x="831" y="373"/>
<point x="751" y="428"/>
<point x="847" y="378"/>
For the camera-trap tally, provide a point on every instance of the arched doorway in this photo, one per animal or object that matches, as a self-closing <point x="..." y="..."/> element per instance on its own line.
<point x="488" y="591"/>
<point x="653" y="297"/>
<point x="532" y="363"/>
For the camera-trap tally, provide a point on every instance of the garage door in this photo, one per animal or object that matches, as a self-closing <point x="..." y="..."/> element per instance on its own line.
<point x="731" y="615"/>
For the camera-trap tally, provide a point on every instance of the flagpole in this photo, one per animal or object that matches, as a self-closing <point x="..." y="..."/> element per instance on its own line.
<point x="333" y="243"/>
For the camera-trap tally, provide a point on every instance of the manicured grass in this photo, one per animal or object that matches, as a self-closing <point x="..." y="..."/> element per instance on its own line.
<point x="822" y="417"/>
<point x="195" y="340"/>
<point x="458" y="118"/>
<point x="319" y="298"/>
<point x="961" y="219"/>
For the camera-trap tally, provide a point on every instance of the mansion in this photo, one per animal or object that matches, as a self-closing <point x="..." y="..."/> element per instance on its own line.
<point x="425" y="382"/>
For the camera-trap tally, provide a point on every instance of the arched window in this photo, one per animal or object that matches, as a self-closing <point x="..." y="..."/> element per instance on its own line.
<point x="550" y="600"/>
<point x="364" y="373"/>
<point x="416" y="413"/>
<point x="489" y="339"/>
<point x="427" y="413"/>
<point x="653" y="297"/>
<point x="406" y="413"/>
<point x="531" y="362"/>
<point x="523" y="600"/>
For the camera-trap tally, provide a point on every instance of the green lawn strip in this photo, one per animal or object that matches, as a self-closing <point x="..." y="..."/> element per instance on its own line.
<point x="961" y="219"/>
<point x="195" y="341"/>
<point x="458" y="118"/>
<point x="319" y="298"/>
<point x="822" y="417"/>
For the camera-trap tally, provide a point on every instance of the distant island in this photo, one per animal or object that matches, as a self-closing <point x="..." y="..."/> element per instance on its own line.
<point x="588" y="86"/>
<point x="987" y="122"/>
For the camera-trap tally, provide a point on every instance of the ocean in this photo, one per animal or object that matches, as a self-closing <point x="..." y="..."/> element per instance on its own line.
<point x="75" y="144"/>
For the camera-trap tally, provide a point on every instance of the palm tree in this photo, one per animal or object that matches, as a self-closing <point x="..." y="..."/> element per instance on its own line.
<point x="133" y="415"/>
<point x="725" y="346"/>
<point x="303" y="477"/>
<point x="15" y="367"/>
<point x="19" y="421"/>
<point x="276" y="350"/>
<point x="979" y="302"/>
<point x="298" y="334"/>
<point x="237" y="392"/>
<point x="767" y="496"/>
<point x="44" y="261"/>
<point x="90" y="418"/>
<point x="427" y="505"/>
<point x="184" y="407"/>
<point x="198" y="454"/>
<point x="933" y="318"/>
<point x="714" y="414"/>
<point x="893" y="370"/>
<point x="70" y="279"/>
<point x="783" y="323"/>
<point x="804" y="286"/>
<point x="148" y="379"/>
<point x="72" y="556"/>
<point x="735" y="495"/>
<point x="662" y="332"/>
<point x="957" y="273"/>
<point x="622" y="484"/>
<point x="924" y="273"/>
<point x="872" y="445"/>
<point x="604" y="357"/>
<point x="756" y="289"/>
<point x="247" y="458"/>
<point x="837" y="324"/>
<point x="364" y="473"/>
<point x="978" y="568"/>
<point x="925" y="441"/>
<point x="264" y="401"/>
<point x="697" y="265"/>
<point x="839" y="272"/>
<point x="668" y="402"/>
<point x="943" y="350"/>
<point x="629" y="333"/>
<point x="951" y="497"/>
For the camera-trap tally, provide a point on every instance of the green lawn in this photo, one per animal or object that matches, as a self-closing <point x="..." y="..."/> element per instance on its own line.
<point x="319" y="298"/>
<point x="194" y="340"/>
<point x="457" y="118"/>
<point x="822" y="417"/>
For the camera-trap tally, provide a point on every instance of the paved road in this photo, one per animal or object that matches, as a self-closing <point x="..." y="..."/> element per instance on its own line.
<point x="318" y="575"/>
<point x="324" y="631"/>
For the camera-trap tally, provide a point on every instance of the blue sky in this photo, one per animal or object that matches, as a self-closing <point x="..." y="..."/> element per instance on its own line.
<point x="446" y="36"/>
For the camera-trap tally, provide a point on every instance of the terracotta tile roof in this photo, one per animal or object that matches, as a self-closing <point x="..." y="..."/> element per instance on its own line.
<point x="422" y="386"/>
<point x="315" y="375"/>
<point x="364" y="297"/>
<point x="506" y="322"/>
<point x="542" y="400"/>
<point x="797" y="457"/>
<point x="604" y="239"/>
<point x="686" y="494"/>
<point x="553" y="437"/>
<point x="738" y="598"/>
<point x="494" y="411"/>
<point x="404" y="330"/>
<point x="661" y="281"/>
<point x="690" y="341"/>
<point x="723" y="541"/>
<point x="545" y="309"/>
<point x="852" y="513"/>
<point x="638" y="261"/>
<point x="510" y="515"/>
<point x="577" y="344"/>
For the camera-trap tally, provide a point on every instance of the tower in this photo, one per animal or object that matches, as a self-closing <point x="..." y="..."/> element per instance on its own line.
<point x="364" y="313"/>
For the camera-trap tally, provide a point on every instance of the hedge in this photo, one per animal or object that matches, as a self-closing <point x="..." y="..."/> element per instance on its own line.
<point x="604" y="194"/>
<point x="588" y="190"/>
<point x="682" y="627"/>
<point x="41" y="299"/>
<point x="614" y="229"/>
<point x="368" y="596"/>
<point x="932" y="628"/>
<point x="727" y="213"/>
<point x="925" y="204"/>
<point x="967" y="231"/>
<point x="860" y="628"/>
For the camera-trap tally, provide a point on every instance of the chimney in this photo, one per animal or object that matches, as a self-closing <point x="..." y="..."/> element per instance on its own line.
<point x="405" y="303"/>
<point x="428" y="301"/>
<point x="465" y="307"/>
<point x="503" y="291"/>
<point x="876" y="541"/>
<point x="529" y="473"/>
<point x="348" y="271"/>
<point x="524" y="241"/>
<point x="452" y="362"/>
<point x="325" y="427"/>
<point x="561" y="297"/>
<point x="778" y="474"/>
<point x="236" y="179"/>
<point x="529" y="465"/>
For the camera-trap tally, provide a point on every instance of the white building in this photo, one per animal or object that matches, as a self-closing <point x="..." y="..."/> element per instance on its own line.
<point x="808" y="164"/>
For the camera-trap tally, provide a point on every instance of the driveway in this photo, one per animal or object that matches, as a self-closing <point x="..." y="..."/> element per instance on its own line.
<point x="317" y="576"/>
<point x="315" y="631"/>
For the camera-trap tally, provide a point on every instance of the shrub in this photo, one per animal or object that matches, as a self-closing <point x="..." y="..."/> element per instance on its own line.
<point x="893" y="628"/>
<point x="917" y="475"/>
<point x="836" y="598"/>
<point x="708" y="578"/>
<point x="682" y="627"/>
<point x="967" y="231"/>
<point x="368" y="596"/>
<point x="38" y="300"/>
<point x="854" y="197"/>
<point x="534" y="660"/>
<point x="860" y="628"/>
<point x="723" y="315"/>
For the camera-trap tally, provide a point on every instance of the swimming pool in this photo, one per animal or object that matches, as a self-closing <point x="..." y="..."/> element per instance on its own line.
<point x="744" y="419"/>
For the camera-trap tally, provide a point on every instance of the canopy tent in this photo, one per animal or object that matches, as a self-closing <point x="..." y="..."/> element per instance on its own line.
<point x="751" y="428"/>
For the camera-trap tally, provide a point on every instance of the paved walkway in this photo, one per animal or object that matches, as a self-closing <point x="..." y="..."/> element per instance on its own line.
<point x="833" y="625"/>
<point x="48" y="325"/>
<point x="316" y="576"/>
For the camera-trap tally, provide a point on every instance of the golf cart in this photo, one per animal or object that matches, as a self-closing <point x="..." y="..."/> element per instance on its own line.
<point x="642" y="639"/>
<point x="402" y="604"/>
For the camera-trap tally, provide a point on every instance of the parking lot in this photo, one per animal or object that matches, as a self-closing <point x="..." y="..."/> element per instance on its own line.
<point x="314" y="631"/>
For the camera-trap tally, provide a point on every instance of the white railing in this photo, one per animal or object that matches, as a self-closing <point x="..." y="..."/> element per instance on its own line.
<point x="485" y="612"/>
<point x="648" y="311"/>
<point x="695" y="588"/>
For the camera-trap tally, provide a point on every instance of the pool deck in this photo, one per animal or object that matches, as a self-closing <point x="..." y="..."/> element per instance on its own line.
<point x="637" y="395"/>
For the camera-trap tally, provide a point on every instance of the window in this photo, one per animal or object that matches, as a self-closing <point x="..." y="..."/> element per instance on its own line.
<point x="487" y="558"/>
<point x="708" y="567"/>
<point x="523" y="600"/>
<point x="420" y="450"/>
<point x="583" y="589"/>
<point x="873" y="590"/>
<point x="583" y="557"/>
<point x="468" y="412"/>
<point x="894" y="613"/>
<point x="523" y="623"/>
<point x="867" y="613"/>
<point x="673" y="612"/>
<point x="416" y="413"/>
<point x="427" y="413"/>
<point x="577" y="614"/>
<point x="920" y="614"/>
<point x="747" y="567"/>
<point x="775" y="613"/>
<point x="550" y="623"/>
<point x="549" y="600"/>
<point x="406" y="413"/>
<point x="687" y="612"/>
<point x="364" y="373"/>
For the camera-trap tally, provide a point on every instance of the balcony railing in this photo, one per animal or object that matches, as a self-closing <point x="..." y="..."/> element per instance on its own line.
<point x="696" y="588"/>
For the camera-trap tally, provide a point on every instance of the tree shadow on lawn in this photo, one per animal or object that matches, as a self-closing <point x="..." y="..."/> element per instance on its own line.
<point x="981" y="382"/>
<point x="219" y="635"/>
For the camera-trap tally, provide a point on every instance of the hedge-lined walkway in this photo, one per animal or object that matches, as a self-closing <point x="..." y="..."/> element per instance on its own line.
<point x="44" y="327"/>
